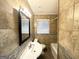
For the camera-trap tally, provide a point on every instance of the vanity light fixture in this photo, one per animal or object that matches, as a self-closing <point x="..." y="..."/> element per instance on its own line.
<point x="26" y="11"/>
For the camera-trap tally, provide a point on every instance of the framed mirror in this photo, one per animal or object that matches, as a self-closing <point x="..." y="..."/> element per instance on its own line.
<point x="24" y="27"/>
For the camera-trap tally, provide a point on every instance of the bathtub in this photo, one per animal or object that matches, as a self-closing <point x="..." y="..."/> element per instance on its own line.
<point x="54" y="47"/>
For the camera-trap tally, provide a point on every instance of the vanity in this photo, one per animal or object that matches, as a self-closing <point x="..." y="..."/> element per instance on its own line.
<point x="33" y="50"/>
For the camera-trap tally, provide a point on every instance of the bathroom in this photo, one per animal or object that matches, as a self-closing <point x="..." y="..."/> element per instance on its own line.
<point x="44" y="30"/>
<point x="34" y="29"/>
<point x="28" y="29"/>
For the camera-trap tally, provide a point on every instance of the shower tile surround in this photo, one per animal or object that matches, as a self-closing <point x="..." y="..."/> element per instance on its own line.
<point x="69" y="29"/>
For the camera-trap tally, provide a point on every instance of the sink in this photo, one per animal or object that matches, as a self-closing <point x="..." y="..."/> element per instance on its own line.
<point x="32" y="51"/>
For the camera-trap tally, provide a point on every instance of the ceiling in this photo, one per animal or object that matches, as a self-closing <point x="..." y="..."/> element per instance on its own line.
<point x="44" y="7"/>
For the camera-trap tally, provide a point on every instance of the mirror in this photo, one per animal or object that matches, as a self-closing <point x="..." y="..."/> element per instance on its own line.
<point x="24" y="27"/>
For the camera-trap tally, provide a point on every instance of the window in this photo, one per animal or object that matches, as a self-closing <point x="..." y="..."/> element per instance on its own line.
<point x="42" y="26"/>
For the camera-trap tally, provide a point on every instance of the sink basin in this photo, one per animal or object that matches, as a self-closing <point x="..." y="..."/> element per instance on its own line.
<point x="32" y="51"/>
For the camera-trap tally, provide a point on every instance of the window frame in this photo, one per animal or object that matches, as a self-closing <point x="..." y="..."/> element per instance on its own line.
<point x="42" y="20"/>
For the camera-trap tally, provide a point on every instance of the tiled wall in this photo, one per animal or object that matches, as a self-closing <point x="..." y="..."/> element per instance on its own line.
<point x="64" y="53"/>
<point x="76" y="30"/>
<point x="9" y="39"/>
<point x="52" y="36"/>
<point x="69" y="26"/>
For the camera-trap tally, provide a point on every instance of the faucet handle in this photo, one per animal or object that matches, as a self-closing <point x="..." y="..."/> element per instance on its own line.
<point x="35" y="40"/>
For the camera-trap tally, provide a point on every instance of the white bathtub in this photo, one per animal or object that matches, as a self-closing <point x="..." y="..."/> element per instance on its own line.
<point x="54" y="47"/>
